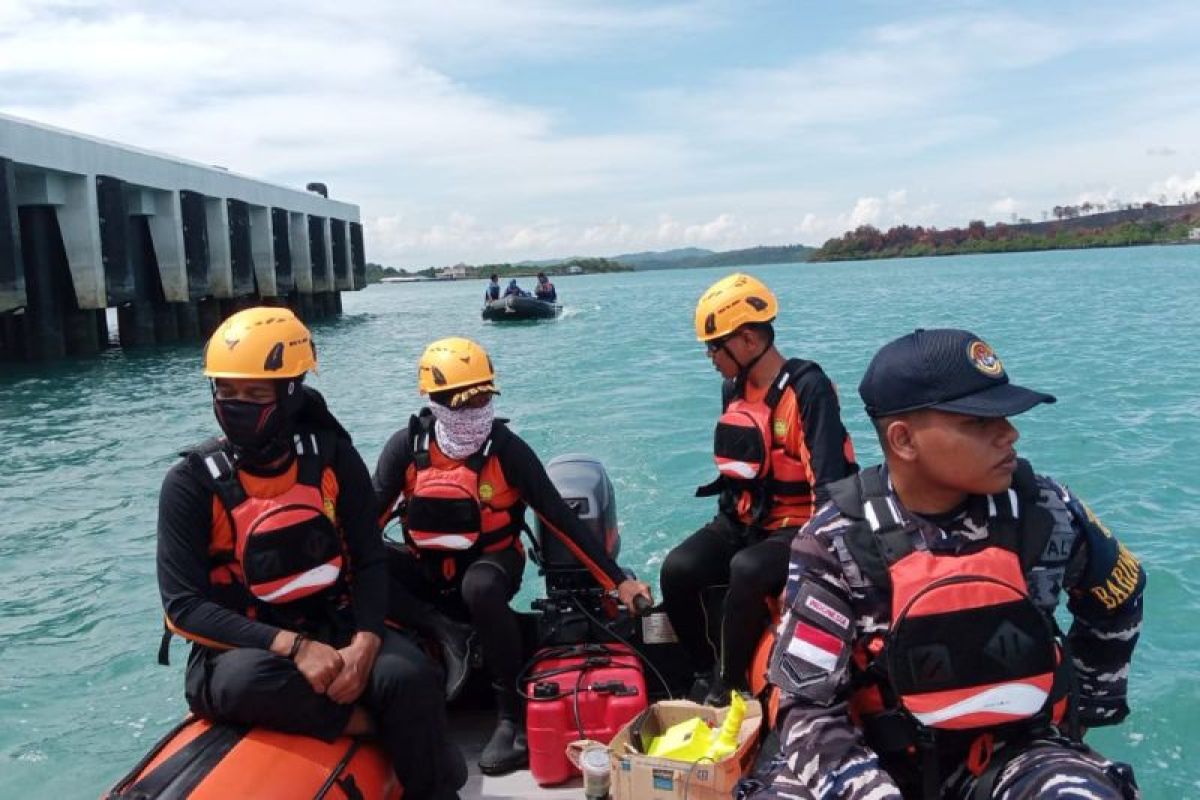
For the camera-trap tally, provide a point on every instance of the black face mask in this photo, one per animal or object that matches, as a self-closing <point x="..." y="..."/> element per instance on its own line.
<point x="259" y="432"/>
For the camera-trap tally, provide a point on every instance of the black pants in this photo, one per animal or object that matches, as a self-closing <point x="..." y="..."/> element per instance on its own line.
<point x="403" y="696"/>
<point x="478" y="595"/>
<point x="724" y="554"/>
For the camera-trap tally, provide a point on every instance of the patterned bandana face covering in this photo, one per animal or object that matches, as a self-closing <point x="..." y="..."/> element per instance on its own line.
<point x="462" y="431"/>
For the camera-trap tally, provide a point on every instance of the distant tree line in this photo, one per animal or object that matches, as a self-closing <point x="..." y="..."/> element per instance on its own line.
<point x="903" y="241"/>
<point x="585" y="265"/>
<point x="377" y="272"/>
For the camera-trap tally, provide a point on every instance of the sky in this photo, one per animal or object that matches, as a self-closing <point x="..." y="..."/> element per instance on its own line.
<point x="479" y="131"/>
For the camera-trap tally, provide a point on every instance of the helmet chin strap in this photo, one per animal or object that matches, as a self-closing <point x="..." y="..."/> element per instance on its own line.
<point x="744" y="369"/>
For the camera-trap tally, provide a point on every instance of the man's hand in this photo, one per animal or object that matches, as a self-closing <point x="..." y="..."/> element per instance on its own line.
<point x="319" y="663"/>
<point x="358" y="658"/>
<point x="629" y="590"/>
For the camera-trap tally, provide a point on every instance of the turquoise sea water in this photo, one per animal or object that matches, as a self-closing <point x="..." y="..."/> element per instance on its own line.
<point x="84" y="446"/>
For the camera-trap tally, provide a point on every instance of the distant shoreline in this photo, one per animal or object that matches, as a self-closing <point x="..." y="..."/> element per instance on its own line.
<point x="1151" y="224"/>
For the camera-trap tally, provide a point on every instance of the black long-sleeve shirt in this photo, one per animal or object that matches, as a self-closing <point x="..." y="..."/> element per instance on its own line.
<point x="185" y="520"/>
<point x="523" y="471"/>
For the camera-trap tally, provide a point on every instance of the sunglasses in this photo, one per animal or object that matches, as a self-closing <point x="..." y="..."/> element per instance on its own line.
<point x="713" y="345"/>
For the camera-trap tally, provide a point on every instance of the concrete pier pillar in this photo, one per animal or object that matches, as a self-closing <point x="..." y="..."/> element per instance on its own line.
<point x="166" y="323"/>
<point x="358" y="256"/>
<point x="102" y="334"/>
<point x="135" y="321"/>
<point x="281" y="246"/>
<point x="187" y="316"/>
<point x="47" y="285"/>
<point x="12" y="273"/>
<point x="140" y="316"/>
<point x="81" y="331"/>
<point x="118" y="270"/>
<point x="241" y="257"/>
<point x="339" y="252"/>
<point x="302" y="304"/>
<point x="12" y="337"/>
<point x="322" y="278"/>
<point x="209" y="312"/>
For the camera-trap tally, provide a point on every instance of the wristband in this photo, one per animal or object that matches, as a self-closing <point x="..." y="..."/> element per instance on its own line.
<point x="295" y="649"/>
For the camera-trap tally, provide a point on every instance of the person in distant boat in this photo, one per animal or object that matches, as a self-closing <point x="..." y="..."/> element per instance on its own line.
<point x="919" y="654"/>
<point x="271" y="562"/>
<point x="492" y="292"/>
<point x="545" y="289"/>
<point x="513" y="290"/>
<point x="459" y="481"/>
<point x="779" y="440"/>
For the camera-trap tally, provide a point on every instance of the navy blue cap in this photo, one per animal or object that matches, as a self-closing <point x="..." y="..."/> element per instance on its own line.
<point x="946" y="369"/>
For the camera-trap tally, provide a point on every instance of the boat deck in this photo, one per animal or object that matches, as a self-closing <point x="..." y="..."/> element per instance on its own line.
<point x="471" y="731"/>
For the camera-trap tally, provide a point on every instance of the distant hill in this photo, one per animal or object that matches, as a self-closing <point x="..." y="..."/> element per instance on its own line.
<point x="691" y="257"/>
<point x="679" y="258"/>
<point x="665" y="259"/>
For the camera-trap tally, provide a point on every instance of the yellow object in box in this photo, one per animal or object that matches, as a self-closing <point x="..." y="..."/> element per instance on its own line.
<point x="686" y="741"/>
<point x="727" y="739"/>
<point x="638" y="776"/>
<point x="693" y="739"/>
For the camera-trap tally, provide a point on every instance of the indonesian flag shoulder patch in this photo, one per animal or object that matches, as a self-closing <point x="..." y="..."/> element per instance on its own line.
<point x="813" y="645"/>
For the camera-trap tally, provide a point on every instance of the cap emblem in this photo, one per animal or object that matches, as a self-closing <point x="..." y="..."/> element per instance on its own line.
<point x="985" y="359"/>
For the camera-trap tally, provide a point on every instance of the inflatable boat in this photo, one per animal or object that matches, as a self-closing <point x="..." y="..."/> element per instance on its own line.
<point x="591" y="667"/>
<point x="514" y="308"/>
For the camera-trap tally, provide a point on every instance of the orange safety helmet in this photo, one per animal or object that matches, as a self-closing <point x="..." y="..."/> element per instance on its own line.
<point x="260" y="343"/>
<point x="456" y="363"/>
<point x="732" y="302"/>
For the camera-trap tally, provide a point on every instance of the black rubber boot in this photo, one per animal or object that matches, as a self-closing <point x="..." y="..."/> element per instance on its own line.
<point x="718" y="693"/>
<point x="508" y="749"/>
<point x="701" y="681"/>
<point x="458" y="645"/>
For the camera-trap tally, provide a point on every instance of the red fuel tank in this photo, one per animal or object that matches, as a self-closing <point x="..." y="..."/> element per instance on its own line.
<point x="578" y="692"/>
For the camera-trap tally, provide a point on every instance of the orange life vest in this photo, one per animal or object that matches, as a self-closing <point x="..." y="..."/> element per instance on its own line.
<point x="285" y="547"/>
<point x="968" y="655"/>
<point x="760" y="482"/>
<point x="447" y="510"/>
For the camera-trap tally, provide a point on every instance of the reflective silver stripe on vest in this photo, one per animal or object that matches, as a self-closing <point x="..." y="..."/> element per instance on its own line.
<point x="218" y="469"/>
<point x="298" y="441"/>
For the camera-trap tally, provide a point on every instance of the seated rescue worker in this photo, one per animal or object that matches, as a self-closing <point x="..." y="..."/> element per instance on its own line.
<point x="270" y="560"/>
<point x="515" y="291"/>
<point x="545" y="289"/>
<point x="918" y="654"/>
<point x="779" y="440"/>
<point x="492" y="292"/>
<point x="460" y="480"/>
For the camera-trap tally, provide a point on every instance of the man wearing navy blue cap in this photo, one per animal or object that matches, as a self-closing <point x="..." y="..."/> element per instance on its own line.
<point x="918" y="654"/>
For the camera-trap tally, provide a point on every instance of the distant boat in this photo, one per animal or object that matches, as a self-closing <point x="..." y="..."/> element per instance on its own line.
<point x="514" y="308"/>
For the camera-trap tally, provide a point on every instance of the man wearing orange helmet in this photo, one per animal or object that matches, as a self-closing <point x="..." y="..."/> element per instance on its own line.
<point x="271" y="562"/>
<point x="779" y="440"/>
<point x="460" y="480"/>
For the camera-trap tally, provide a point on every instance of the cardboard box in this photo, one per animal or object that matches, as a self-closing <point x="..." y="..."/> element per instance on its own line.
<point x="636" y="776"/>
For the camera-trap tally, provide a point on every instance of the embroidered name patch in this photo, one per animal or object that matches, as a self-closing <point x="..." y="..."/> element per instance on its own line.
<point x="828" y="612"/>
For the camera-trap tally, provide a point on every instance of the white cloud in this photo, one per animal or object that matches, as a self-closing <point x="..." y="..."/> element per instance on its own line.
<point x="401" y="107"/>
<point x="1174" y="187"/>
<point x="1006" y="205"/>
<point x="866" y="212"/>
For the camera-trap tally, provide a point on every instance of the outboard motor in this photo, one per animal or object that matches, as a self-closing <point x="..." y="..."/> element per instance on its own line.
<point x="584" y="681"/>
<point x="584" y="485"/>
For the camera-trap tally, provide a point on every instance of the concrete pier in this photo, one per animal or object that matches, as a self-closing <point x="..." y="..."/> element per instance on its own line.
<point x="174" y="246"/>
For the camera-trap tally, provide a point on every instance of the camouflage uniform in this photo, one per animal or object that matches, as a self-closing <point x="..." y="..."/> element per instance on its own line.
<point x="822" y="753"/>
